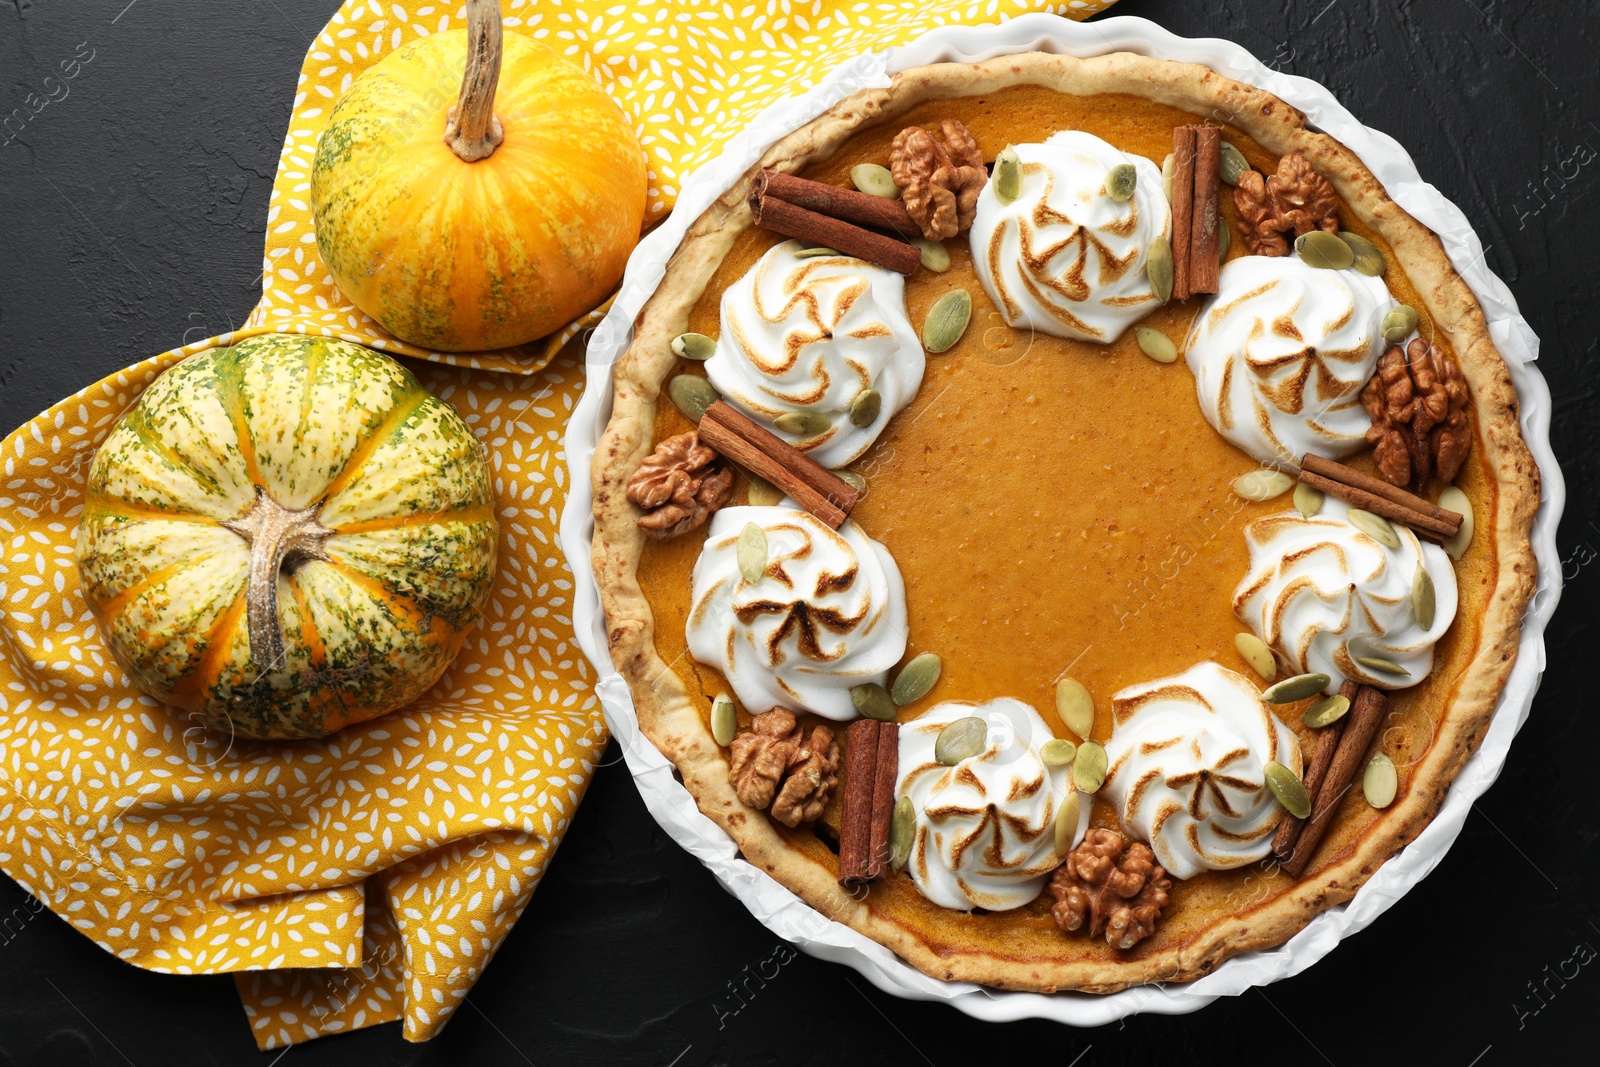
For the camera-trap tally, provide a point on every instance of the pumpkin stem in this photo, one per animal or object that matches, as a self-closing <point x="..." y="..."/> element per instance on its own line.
<point x="471" y="129"/>
<point x="274" y="533"/>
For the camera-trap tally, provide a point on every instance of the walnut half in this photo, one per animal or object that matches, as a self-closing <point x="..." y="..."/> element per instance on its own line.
<point x="772" y="764"/>
<point x="679" y="486"/>
<point x="1273" y="211"/>
<point x="939" y="183"/>
<point x="1417" y="400"/>
<point x="1110" y="884"/>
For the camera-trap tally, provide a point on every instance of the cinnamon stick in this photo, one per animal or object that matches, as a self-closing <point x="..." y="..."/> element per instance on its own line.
<point x="837" y="202"/>
<point x="1321" y="758"/>
<point x="1365" y="715"/>
<point x="761" y="452"/>
<point x="1183" y="141"/>
<point x="859" y="791"/>
<point x="1378" y="505"/>
<point x="1338" y="472"/>
<point x="1204" y="265"/>
<point x="888" y="770"/>
<point x="814" y="228"/>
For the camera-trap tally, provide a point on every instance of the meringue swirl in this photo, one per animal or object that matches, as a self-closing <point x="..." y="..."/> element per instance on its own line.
<point x="1186" y="769"/>
<point x="1064" y="257"/>
<point x="1321" y="592"/>
<point x="985" y="833"/>
<point x="828" y="613"/>
<point x="1281" y="352"/>
<point x="809" y="334"/>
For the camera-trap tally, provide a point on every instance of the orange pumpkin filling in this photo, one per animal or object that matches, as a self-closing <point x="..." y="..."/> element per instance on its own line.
<point x="1062" y="508"/>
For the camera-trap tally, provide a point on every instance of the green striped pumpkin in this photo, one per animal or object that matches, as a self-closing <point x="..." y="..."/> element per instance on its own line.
<point x="287" y="536"/>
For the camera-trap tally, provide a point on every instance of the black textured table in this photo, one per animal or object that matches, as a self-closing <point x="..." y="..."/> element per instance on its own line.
<point x="133" y="205"/>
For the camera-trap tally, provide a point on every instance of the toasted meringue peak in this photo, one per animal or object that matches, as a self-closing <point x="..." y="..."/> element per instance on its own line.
<point x="1321" y="593"/>
<point x="1186" y="768"/>
<point x="828" y="613"/>
<point x="809" y="334"/>
<point x="1281" y="352"/>
<point x="1064" y="257"/>
<point x="985" y="834"/>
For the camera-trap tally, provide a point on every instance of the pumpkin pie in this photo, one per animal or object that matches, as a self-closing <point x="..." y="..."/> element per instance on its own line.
<point x="1056" y="685"/>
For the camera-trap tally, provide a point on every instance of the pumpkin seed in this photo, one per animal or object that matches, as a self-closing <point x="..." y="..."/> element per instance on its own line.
<point x="1158" y="268"/>
<point x="1157" y="345"/>
<point x="1057" y="752"/>
<point x="875" y="180"/>
<point x="1455" y="500"/>
<point x="947" y="321"/>
<point x="1382" y="666"/>
<point x="1297" y="688"/>
<point x="1380" y="781"/>
<point x="962" y="739"/>
<point x="1257" y="654"/>
<point x="1122" y="181"/>
<point x="1007" y="175"/>
<point x="1369" y="258"/>
<point x="763" y="494"/>
<point x="751" y="552"/>
<point x="724" y="720"/>
<point x="1089" y="769"/>
<point x="1067" y="816"/>
<point x="1288" y="788"/>
<point x="1308" y="501"/>
<point x="1262" y="484"/>
<point x="1167" y="167"/>
<point x="1075" y="706"/>
<point x="917" y="678"/>
<point x="1398" y="324"/>
<point x="1322" y="249"/>
<point x="902" y="832"/>
<point x="692" y="395"/>
<point x="1374" y="526"/>
<point x="802" y="423"/>
<point x="693" y="346"/>
<point x="1325" y="711"/>
<point x="1233" y="164"/>
<point x="1422" y="598"/>
<point x="1224" y="238"/>
<point x="853" y="480"/>
<point x="814" y="251"/>
<point x="865" y="407"/>
<point x="935" y="256"/>
<point x="872" y="700"/>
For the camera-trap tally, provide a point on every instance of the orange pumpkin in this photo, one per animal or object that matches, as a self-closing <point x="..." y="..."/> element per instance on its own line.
<point x="465" y="219"/>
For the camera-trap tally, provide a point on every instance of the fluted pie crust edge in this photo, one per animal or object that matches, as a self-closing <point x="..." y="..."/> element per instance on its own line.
<point x="676" y="727"/>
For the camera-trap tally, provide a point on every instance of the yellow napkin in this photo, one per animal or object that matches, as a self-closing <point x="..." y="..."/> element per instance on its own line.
<point x="369" y="876"/>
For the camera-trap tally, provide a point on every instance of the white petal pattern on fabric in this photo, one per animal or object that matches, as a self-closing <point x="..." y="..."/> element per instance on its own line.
<point x="189" y="852"/>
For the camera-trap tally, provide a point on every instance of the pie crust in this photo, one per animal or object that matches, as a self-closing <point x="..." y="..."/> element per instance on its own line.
<point x="674" y="723"/>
